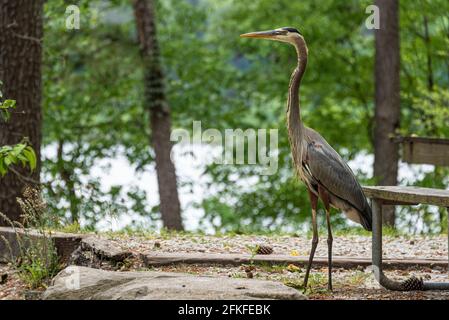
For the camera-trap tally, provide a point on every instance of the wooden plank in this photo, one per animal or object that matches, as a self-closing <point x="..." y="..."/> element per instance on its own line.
<point x="163" y="259"/>
<point x="439" y="141"/>
<point x="411" y="195"/>
<point x="426" y="153"/>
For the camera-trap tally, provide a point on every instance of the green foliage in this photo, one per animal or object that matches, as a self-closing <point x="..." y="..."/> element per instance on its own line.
<point x="5" y="106"/>
<point x="21" y="153"/>
<point x="425" y="97"/>
<point x="92" y="107"/>
<point x="93" y="99"/>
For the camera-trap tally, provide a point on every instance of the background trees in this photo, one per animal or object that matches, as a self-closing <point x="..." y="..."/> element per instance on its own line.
<point x="93" y="97"/>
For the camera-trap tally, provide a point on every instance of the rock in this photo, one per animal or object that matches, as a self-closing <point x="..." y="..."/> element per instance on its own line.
<point x="104" y="249"/>
<point x="33" y="295"/>
<point x="95" y="252"/>
<point x="81" y="283"/>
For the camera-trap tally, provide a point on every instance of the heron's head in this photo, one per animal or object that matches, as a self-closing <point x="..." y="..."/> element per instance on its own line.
<point x="286" y="34"/>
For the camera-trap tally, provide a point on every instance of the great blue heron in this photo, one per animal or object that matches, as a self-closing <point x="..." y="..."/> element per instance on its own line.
<point x="317" y="164"/>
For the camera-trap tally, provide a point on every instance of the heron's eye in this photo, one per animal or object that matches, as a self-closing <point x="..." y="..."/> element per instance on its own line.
<point x="293" y="30"/>
<point x="280" y="32"/>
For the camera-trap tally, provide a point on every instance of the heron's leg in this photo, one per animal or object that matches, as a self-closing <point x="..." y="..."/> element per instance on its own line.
<point x="314" y="203"/>
<point x="330" y="240"/>
<point x="324" y="195"/>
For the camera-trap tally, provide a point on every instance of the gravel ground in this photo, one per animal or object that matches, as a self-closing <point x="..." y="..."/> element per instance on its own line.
<point x="348" y="284"/>
<point x="415" y="247"/>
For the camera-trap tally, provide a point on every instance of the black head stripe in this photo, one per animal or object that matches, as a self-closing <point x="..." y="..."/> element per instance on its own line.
<point x="291" y="30"/>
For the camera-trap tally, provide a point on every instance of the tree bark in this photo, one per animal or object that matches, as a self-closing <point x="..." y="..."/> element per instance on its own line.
<point x="158" y="108"/>
<point x="427" y="41"/>
<point x="387" y="99"/>
<point x="21" y="32"/>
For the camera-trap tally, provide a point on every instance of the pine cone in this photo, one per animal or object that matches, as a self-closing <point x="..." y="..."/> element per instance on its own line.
<point x="413" y="284"/>
<point x="261" y="249"/>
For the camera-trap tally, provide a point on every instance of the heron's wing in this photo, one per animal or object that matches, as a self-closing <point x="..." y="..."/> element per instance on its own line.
<point x="328" y="169"/>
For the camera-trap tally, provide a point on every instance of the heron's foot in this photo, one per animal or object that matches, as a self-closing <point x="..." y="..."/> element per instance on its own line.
<point x="329" y="287"/>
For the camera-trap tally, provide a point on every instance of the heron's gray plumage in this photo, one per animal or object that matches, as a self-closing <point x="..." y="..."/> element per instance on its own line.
<point x="316" y="162"/>
<point x="328" y="169"/>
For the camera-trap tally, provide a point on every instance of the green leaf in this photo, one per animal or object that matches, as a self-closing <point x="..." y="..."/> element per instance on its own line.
<point x="31" y="157"/>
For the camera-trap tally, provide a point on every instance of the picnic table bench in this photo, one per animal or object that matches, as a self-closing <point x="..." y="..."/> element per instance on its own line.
<point x="394" y="195"/>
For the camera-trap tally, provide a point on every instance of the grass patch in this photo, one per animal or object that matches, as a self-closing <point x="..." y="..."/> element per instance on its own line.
<point x="358" y="278"/>
<point x="37" y="262"/>
<point x="317" y="284"/>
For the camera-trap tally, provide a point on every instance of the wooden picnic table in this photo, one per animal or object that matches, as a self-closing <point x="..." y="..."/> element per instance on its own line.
<point x="396" y="195"/>
<point x="408" y="195"/>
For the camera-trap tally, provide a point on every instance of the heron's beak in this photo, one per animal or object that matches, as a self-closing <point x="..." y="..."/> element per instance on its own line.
<point x="261" y="34"/>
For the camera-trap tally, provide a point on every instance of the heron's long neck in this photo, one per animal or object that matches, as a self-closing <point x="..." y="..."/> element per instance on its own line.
<point x="294" y="123"/>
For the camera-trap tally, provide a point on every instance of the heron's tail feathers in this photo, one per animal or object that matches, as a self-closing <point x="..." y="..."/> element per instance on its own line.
<point x="366" y="218"/>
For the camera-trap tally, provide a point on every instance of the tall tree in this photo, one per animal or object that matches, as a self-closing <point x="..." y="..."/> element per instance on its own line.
<point x="160" y="119"/>
<point x="21" y="31"/>
<point x="387" y="98"/>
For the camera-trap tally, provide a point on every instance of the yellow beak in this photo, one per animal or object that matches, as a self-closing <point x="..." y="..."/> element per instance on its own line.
<point x="261" y="34"/>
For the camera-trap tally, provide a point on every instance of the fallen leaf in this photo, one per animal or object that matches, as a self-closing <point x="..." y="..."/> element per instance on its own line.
<point x="294" y="253"/>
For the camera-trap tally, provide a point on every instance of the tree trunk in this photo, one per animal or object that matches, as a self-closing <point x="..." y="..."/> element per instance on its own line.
<point x="427" y="41"/>
<point x="21" y="31"/>
<point x="387" y="113"/>
<point x="160" y="121"/>
<point x="66" y="176"/>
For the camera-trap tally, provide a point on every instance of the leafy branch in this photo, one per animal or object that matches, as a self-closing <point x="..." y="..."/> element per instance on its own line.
<point x="5" y="107"/>
<point x="20" y="153"/>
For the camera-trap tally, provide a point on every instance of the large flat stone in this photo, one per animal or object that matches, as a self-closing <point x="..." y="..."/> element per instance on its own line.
<point x="104" y="248"/>
<point x="81" y="283"/>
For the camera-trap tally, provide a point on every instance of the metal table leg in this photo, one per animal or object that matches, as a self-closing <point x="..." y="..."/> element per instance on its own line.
<point x="383" y="280"/>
